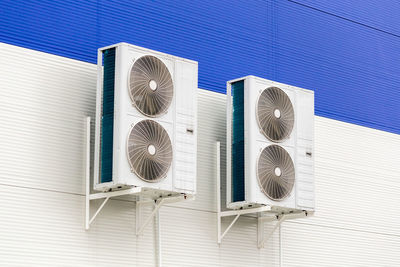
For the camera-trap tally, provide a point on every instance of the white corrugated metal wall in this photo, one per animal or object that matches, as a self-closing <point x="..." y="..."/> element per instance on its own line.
<point x="44" y="100"/>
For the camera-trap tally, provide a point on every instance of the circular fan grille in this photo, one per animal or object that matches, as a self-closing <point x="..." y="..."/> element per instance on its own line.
<point x="275" y="114"/>
<point x="149" y="151"/>
<point x="275" y="172"/>
<point x="150" y="86"/>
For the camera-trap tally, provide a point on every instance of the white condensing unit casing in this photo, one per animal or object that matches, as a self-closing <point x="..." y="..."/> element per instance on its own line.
<point x="270" y="145"/>
<point x="146" y="120"/>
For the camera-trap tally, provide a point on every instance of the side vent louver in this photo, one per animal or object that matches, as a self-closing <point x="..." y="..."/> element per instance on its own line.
<point x="107" y="119"/>
<point x="238" y="157"/>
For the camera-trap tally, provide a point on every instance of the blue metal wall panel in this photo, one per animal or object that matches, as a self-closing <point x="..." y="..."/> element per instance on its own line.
<point x="382" y="15"/>
<point x="347" y="51"/>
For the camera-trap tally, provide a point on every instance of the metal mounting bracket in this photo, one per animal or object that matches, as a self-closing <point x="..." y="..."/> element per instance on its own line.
<point x="106" y="196"/>
<point x="279" y="219"/>
<point x="140" y="226"/>
<point x="130" y="191"/>
<point x="260" y="211"/>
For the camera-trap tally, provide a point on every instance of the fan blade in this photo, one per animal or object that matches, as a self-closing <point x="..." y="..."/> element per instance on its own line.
<point x="275" y="114"/>
<point x="149" y="151"/>
<point x="150" y="86"/>
<point x="275" y="172"/>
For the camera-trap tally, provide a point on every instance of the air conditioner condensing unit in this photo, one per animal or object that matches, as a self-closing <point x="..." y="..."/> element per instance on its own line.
<point x="146" y="120"/>
<point x="270" y="145"/>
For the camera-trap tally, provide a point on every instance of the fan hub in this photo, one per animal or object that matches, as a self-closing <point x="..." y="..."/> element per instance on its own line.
<point x="278" y="171"/>
<point x="151" y="149"/>
<point x="153" y="85"/>
<point x="277" y="113"/>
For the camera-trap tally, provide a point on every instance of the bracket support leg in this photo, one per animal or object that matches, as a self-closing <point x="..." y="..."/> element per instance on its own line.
<point x="261" y="238"/>
<point x="220" y="237"/>
<point x="89" y="221"/>
<point x="157" y="206"/>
